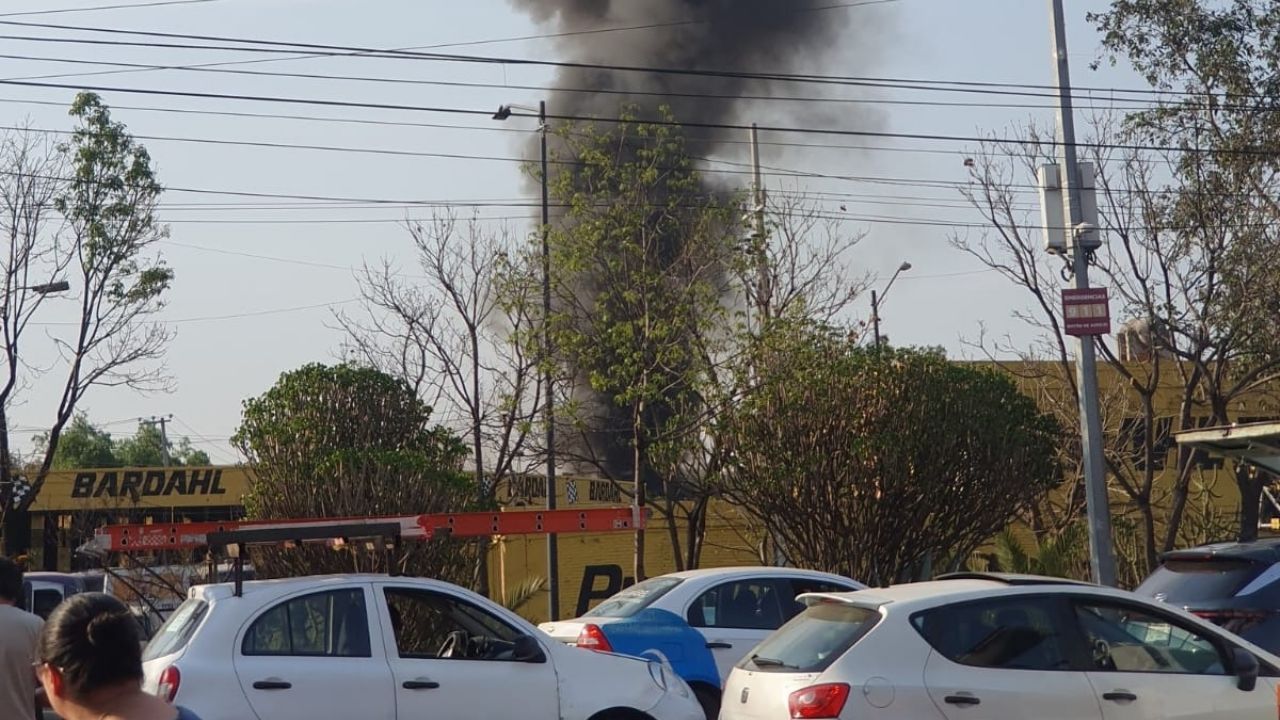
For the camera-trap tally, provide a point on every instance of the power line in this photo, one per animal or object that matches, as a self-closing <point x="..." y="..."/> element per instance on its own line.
<point x="105" y="7"/>
<point x="216" y="68"/>
<point x="235" y="316"/>
<point x="542" y="36"/>
<point x="285" y="47"/>
<point x="836" y="132"/>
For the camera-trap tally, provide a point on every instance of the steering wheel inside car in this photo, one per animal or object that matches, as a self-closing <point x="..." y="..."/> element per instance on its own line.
<point x="457" y="644"/>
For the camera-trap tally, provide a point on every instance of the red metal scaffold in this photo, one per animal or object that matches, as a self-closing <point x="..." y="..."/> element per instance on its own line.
<point x="185" y="536"/>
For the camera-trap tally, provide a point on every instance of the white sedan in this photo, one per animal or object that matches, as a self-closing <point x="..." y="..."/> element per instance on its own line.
<point x="734" y="608"/>
<point x="991" y="647"/>
<point x="388" y="648"/>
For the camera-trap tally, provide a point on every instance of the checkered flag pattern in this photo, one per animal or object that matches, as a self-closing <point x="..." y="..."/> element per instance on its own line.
<point x="571" y="491"/>
<point x="20" y="490"/>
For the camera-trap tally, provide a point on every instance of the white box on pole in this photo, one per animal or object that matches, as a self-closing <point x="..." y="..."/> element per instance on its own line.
<point x="1052" y="219"/>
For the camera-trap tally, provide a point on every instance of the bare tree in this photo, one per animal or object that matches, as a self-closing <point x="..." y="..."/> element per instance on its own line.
<point x="1174" y="248"/>
<point x="808" y="261"/>
<point x="459" y="335"/>
<point x="34" y="257"/>
<point x="105" y="192"/>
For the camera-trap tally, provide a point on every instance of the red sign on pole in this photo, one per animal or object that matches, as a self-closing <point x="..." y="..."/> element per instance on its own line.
<point x="1085" y="312"/>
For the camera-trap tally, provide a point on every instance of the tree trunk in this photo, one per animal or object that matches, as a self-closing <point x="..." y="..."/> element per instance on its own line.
<point x="1186" y="459"/>
<point x="1148" y="533"/>
<point x="638" y="496"/>
<point x="673" y="533"/>
<point x="6" y="488"/>
<point x="1250" y="483"/>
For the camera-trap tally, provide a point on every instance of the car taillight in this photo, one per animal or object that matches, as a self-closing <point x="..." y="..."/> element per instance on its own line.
<point x="592" y="638"/>
<point x="819" y="701"/>
<point x="169" y="681"/>
<point x="1235" y="621"/>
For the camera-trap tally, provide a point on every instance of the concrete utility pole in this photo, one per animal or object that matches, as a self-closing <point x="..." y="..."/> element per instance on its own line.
<point x="162" y="421"/>
<point x="1101" y="561"/>
<point x="761" y="244"/>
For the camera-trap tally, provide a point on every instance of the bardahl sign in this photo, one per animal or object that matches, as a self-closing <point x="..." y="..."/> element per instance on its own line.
<point x="147" y="483"/>
<point x="104" y="488"/>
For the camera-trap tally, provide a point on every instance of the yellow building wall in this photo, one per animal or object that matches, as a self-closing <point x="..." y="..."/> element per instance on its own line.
<point x="730" y="541"/>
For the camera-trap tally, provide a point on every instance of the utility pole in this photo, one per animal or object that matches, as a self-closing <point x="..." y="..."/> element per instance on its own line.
<point x="1101" y="561"/>
<point x="761" y="241"/>
<point x="549" y="412"/>
<point x="875" y="316"/>
<point x="548" y="406"/>
<point x="162" y="421"/>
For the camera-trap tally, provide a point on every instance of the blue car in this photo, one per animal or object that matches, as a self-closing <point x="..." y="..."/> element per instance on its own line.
<point x="664" y="636"/>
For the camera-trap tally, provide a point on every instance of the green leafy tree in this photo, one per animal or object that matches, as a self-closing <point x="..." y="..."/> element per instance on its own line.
<point x="83" y="446"/>
<point x="105" y="192"/>
<point x="150" y="448"/>
<point x="333" y="441"/>
<point x="642" y="257"/>
<point x="880" y="464"/>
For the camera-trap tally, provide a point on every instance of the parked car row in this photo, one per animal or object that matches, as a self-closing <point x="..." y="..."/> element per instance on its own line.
<point x="738" y="644"/>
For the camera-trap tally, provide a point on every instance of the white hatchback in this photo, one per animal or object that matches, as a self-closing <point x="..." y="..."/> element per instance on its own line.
<point x="734" y="608"/>
<point x="989" y="647"/>
<point x="388" y="648"/>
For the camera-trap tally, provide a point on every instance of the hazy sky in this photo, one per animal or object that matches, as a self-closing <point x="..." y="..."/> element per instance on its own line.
<point x="256" y="286"/>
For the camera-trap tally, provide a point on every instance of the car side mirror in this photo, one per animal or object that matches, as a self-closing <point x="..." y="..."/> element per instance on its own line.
<point x="525" y="648"/>
<point x="1246" y="667"/>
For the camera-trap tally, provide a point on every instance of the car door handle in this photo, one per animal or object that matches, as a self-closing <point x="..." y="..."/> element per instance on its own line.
<point x="961" y="700"/>
<point x="1119" y="696"/>
<point x="419" y="684"/>
<point x="717" y="645"/>
<point x="272" y="684"/>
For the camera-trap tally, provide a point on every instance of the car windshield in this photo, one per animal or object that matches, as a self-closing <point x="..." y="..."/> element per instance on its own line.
<point x="1187" y="582"/>
<point x="635" y="598"/>
<point x="812" y="640"/>
<point x="177" y="630"/>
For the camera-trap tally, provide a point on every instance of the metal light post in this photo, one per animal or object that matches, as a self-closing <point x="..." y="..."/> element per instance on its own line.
<point x="6" y="480"/>
<point x="1101" y="561"/>
<point x="548" y="407"/>
<point x="877" y="299"/>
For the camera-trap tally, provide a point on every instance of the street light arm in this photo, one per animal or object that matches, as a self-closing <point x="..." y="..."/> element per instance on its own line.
<point x="885" y="292"/>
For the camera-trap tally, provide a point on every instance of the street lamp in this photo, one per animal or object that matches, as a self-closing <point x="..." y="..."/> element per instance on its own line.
<point x="7" y="484"/>
<point x="548" y="407"/>
<point x="49" y="288"/>
<point x="877" y="299"/>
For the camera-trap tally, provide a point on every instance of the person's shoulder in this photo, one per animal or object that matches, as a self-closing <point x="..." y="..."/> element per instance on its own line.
<point x="20" y="623"/>
<point x="185" y="714"/>
<point x="9" y="613"/>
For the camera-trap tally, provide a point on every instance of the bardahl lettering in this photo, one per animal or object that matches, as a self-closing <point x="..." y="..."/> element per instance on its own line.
<point x="604" y="491"/>
<point x="129" y="484"/>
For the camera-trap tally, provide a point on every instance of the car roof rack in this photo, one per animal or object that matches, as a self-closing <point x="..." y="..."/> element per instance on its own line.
<point x="1011" y="578"/>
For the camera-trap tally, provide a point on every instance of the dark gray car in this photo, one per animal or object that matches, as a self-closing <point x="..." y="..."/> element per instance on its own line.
<point x="1234" y="585"/>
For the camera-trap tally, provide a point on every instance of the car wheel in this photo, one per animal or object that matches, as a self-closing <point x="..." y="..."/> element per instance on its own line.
<point x="709" y="699"/>
<point x="620" y="714"/>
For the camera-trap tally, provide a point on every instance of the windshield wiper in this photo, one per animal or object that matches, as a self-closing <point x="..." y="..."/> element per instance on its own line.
<point x="771" y="662"/>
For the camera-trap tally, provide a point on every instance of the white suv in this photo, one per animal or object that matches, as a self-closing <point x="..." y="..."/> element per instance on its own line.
<point x="734" y="608"/>
<point x="388" y="648"/>
<point x="985" y="647"/>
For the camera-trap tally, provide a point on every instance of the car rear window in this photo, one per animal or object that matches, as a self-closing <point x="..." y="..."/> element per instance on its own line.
<point x="1192" y="581"/>
<point x="812" y="640"/>
<point x="635" y="598"/>
<point x="177" y="630"/>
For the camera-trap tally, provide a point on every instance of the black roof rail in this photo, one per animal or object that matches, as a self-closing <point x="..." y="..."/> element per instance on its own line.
<point x="1011" y="578"/>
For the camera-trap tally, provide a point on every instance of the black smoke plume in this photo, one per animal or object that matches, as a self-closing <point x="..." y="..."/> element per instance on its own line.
<point x="724" y="36"/>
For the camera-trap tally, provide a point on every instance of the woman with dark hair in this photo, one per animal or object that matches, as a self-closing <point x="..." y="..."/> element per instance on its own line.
<point x="90" y="663"/>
